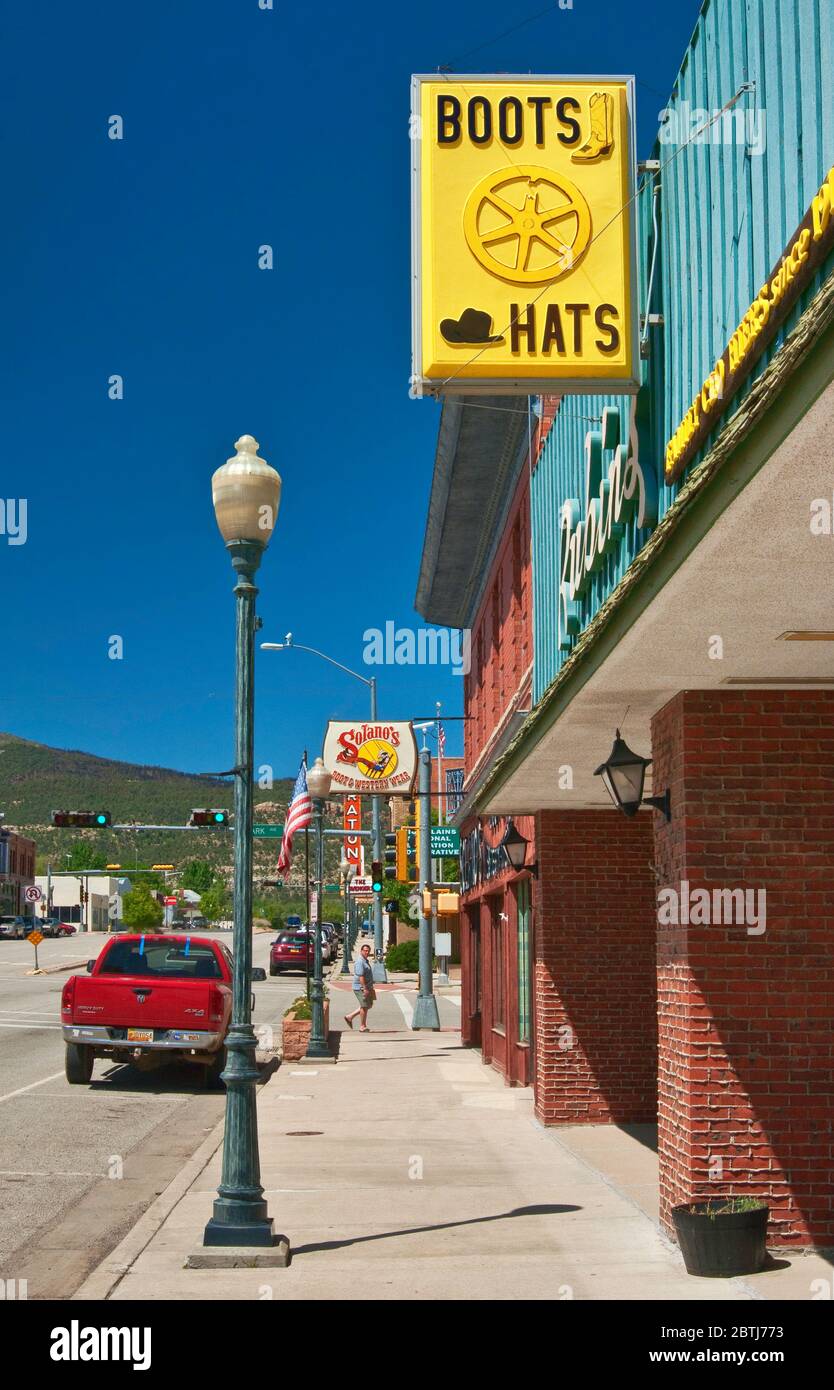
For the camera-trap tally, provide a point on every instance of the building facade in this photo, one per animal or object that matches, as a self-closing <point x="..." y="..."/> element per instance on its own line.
<point x="17" y="872"/>
<point x="682" y="968"/>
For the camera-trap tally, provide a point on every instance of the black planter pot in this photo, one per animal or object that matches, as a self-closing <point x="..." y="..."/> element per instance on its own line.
<point x="724" y="1244"/>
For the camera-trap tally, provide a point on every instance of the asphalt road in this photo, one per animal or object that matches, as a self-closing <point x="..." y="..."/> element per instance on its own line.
<point x="79" y="1164"/>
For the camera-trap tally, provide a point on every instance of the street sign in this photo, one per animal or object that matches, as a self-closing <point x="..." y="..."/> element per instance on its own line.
<point x="443" y="944"/>
<point x="262" y="831"/>
<point x="370" y="757"/>
<point x="361" y="886"/>
<point x="35" y="938"/>
<point x="32" y="893"/>
<point x="523" y="190"/>
<point x="331" y="888"/>
<point x="170" y="902"/>
<point x="445" y="841"/>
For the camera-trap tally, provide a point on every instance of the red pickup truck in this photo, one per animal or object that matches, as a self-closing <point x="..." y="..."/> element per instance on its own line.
<point x="147" y="999"/>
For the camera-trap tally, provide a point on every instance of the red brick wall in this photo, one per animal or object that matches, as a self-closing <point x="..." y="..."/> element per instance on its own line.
<point x="746" y="1021"/>
<point x="502" y="633"/>
<point x="594" y="946"/>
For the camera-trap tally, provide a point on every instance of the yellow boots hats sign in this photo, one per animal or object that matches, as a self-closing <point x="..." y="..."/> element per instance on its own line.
<point x="523" y="243"/>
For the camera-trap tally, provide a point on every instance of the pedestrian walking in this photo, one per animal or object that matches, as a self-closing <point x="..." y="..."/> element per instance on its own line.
<point x="363" y="988"/>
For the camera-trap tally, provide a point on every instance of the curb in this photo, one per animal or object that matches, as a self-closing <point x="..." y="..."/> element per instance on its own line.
<point x="102" y="1281"/>
<point x="99" y="1284"/>
<point x="59" y="969"/>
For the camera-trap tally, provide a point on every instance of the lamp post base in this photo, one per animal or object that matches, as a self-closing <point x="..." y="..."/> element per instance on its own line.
<point x="259" y="1231"/>
<point x="274" y="1256"/>
<point x="425" y="1014"/>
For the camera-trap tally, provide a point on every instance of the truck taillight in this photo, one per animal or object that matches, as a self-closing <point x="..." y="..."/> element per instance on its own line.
<point x="67" y="996"/>
<point x="215" y="1004"/>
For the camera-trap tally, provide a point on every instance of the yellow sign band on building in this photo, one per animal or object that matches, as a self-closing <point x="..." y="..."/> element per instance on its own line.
<point x="523" y="234"/>
<point x="800" y="260"/>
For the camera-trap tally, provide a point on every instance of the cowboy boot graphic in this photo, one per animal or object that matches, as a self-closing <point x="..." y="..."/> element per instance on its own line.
<point x="601" y="138"/>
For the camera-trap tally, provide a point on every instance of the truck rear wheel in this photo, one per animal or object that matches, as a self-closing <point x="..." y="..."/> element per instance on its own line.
<point x="78" y="1064"/>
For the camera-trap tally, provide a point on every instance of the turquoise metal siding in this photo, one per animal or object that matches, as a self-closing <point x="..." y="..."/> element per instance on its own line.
<point x="725" y="215"/>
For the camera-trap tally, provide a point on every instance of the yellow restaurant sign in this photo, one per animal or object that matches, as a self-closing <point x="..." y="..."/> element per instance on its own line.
<point x="523" y="234"/>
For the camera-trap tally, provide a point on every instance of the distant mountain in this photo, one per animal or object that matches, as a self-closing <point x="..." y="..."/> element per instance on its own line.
<point x="36" y="780"/>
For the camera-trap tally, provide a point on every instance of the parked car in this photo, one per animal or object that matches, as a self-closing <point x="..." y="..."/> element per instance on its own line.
<point x="65" y="929"/>
<point x="149" y="999"/>
<point x="332" y="938"/>
<point x="13" y="928"/>
<point x="291" y="950"/>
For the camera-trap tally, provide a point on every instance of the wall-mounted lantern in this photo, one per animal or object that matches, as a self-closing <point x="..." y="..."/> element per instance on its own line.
<point x="515" y="848"/>
<point x="624" y="773"/>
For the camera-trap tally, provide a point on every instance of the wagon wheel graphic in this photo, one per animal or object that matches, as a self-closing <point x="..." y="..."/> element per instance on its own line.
<point x="542" y="209"/>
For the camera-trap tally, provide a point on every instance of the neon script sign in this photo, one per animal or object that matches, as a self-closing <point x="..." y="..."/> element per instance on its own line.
<point x="613" y="497"/>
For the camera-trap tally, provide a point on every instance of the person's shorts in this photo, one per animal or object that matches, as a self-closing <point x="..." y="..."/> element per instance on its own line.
<point x="363" y="1000"/>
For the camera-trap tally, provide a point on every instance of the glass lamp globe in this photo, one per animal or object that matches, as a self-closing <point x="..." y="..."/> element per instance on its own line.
<point x="318" y="780"/>
<point x="246" y="493"/>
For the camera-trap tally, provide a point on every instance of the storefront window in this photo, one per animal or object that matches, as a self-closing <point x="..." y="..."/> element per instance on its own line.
<point x="522" y="894"/>
<point x="497" y="967"/>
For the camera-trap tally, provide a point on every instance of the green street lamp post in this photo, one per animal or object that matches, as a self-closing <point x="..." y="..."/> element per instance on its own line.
<point x="347" y="872"/>
<point x="318" y="785"/>
<point x="246" y="493"/>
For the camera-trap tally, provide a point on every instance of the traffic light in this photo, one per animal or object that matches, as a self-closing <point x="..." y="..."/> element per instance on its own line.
<point x="391" y="905"/>
<point x="391" y="855"/>
<point x="208" y="816"/>
<point x="84" y="820"/>
<point x="402" y="854"/>
<point x="376" y="876"/>
<point x="406" y="854"/>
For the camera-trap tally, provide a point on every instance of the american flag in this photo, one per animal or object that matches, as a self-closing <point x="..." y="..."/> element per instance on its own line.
<point x="299" y="816"/>
<point x="441" y="740"/>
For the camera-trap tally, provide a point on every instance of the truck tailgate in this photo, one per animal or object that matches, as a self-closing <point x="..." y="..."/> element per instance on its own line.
<point x="129" y="1001"/>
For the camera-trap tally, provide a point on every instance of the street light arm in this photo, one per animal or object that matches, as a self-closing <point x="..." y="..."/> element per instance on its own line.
<point x="299" y="646"/>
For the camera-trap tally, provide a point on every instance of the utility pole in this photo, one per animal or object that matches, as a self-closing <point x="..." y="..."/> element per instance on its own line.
<point x="380" y="973"/>
<point x="425" y="1011"/>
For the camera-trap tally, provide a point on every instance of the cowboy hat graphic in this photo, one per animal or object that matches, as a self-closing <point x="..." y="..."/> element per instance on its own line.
<point x="473" y="326"/>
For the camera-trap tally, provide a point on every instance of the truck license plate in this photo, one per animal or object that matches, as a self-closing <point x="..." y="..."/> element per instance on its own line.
<point x="140" y="1034"/>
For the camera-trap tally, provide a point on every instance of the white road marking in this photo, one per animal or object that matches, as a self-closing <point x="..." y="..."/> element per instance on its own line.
<point x="55" y="1026"/>
<point x="60" y="1173"/>
<point x="26" y="1014"/>
<point x="405" y="1008"/>
<point x="451" y="998"/>
<point x="23" y="1089"/>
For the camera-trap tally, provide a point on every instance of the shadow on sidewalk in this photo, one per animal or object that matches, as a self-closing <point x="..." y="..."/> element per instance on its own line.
<point x="544" y="1210"/>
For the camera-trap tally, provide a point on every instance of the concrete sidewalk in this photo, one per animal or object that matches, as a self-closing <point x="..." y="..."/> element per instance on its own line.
<point x="409" y="1171"/>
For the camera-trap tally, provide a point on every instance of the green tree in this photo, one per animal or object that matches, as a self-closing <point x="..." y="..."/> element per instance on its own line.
<point x="141" y="910"/>
<point x="214" y="903"/>
<point x="198" y="875"/>
<point x="83" y="856"/>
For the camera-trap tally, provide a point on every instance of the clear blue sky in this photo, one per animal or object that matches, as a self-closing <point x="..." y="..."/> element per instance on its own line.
<point x="242" y="126"/>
